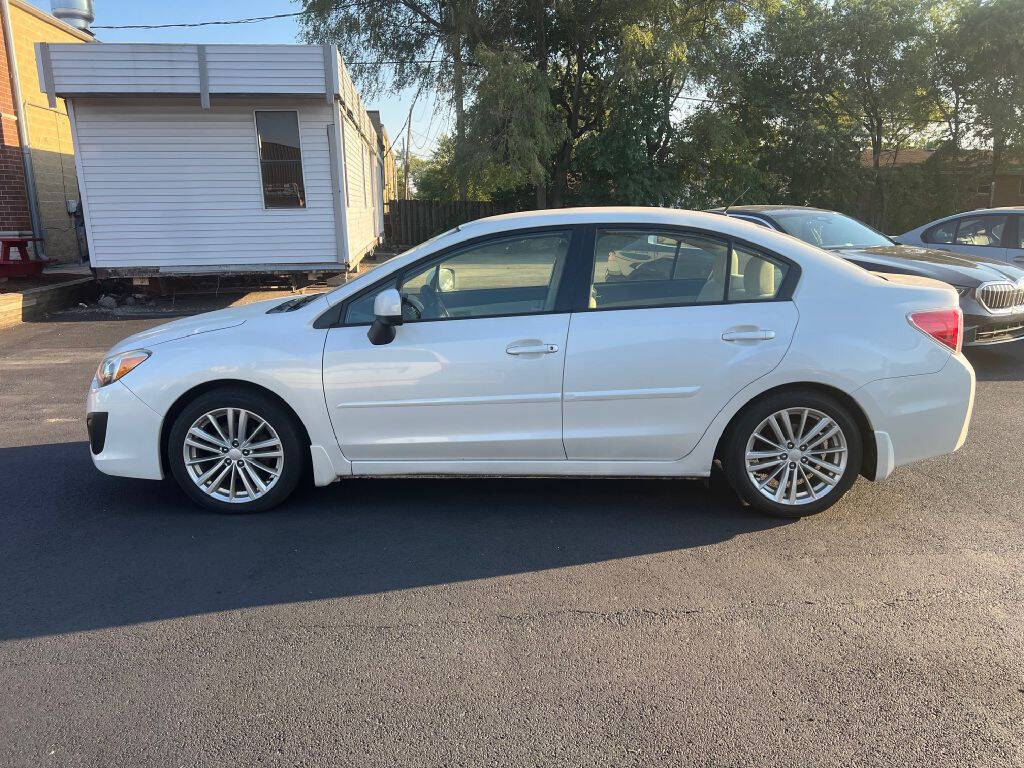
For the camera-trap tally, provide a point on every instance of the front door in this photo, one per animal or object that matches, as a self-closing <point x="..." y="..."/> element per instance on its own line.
<point x="657" y="355"/>
<point x="475" y="371"/>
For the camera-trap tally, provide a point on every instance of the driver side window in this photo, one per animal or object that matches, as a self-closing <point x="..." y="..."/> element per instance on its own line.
<point x="510" y="276"/>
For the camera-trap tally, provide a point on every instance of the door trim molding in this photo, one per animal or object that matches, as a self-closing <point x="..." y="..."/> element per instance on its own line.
<point x="539" y="397"/>
<point x="631" y="394"/>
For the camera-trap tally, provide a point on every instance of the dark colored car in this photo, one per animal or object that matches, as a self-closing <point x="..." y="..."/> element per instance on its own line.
<point x="991" y="291"/>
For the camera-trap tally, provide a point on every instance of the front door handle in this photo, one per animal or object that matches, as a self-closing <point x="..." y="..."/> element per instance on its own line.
<point x="758" y="335"/>
<point x="531" y="349"/>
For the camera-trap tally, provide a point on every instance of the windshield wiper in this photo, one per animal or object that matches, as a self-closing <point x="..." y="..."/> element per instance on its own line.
<point x="293" y="304"/>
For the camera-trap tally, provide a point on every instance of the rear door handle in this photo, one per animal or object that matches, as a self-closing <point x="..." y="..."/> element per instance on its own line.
<point x="757" y="335"/>
<point x="531" y="349"/>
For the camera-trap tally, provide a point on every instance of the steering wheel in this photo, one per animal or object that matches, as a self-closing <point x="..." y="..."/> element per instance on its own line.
<point x="431" y="299"/>
<point x="415" y="307"/>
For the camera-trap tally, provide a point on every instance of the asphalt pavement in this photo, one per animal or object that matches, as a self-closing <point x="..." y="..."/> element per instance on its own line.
<point x="500" y="622"/>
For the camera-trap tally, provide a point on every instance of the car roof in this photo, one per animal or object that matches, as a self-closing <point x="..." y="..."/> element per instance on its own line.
<point x="770" y="209"/>
<point x="1004" y="208"/>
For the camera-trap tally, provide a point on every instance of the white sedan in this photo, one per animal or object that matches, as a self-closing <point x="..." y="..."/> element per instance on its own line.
<point x="504" y="347"/>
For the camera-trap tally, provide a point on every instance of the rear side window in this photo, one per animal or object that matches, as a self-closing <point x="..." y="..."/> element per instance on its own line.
<point x="941" y="233"/>
<point x="981" y="230"/>
<point x="634" y="269"/>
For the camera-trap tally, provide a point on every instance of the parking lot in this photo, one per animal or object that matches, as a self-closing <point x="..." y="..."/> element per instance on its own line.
<point x="500" y="622"/>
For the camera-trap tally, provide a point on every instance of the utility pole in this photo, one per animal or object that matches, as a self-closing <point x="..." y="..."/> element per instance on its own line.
<point x="405" y="167"/>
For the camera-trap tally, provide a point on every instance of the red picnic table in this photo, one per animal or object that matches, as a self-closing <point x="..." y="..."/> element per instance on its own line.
<point x="24" y="265"/>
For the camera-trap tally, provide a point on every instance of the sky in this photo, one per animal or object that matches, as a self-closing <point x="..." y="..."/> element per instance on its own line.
<point x="394" y="109"/>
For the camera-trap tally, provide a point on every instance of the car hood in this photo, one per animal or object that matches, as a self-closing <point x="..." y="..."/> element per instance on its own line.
<point x="190" y="326"/>
<point x="950" y="268"/>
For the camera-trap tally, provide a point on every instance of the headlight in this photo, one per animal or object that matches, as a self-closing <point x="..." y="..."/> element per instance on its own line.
<point x="114" y="367"/>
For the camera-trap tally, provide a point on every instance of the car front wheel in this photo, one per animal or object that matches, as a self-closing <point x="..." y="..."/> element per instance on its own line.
<point x="235" y="451"/>
<point x="794" y="454"/>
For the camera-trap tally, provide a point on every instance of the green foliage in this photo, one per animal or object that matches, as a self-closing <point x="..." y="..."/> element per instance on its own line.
<point x="512" y="129"/>
<point x="436" y="178"/>
<point x="700" y="103"/>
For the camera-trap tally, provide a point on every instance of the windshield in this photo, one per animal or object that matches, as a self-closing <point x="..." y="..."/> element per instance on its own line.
<point x="829" y="230"/>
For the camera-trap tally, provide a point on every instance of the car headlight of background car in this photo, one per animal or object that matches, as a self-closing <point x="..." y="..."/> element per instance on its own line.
<point x="115" y="366"/>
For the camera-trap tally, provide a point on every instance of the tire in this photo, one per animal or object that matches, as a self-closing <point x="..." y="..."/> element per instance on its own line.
<point x="272" y="442"/>
<point x="817" y="484"/>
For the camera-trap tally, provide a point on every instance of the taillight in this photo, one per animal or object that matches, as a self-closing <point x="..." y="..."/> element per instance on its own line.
<point x="946" y="326"/>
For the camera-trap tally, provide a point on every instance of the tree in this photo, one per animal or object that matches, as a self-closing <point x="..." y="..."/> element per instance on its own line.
<point x="402" y="38"/>
<point x="880" y="49"/>
<point x="995" y="62"/>
<point x="437" y="177"/>
<point x="511" y="124"/>
<point x="774" y="129"/>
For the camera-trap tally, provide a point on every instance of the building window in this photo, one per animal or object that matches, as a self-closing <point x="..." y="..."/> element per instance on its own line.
<point x="280" y="159"/>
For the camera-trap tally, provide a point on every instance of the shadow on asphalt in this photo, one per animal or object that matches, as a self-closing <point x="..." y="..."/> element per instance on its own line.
<point x="84" y="551"/>
<point x="1001" y="362"/>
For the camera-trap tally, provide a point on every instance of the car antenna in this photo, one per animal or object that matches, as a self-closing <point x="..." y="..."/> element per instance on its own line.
<point x="736" y="200"/>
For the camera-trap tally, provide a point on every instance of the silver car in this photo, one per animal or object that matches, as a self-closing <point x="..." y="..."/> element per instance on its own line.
<point x="989" y="233"/>
<point x="991" y="290"/>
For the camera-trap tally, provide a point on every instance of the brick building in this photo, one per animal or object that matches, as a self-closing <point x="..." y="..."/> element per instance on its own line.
<point x="36" y="203"/>
<point x="1005" y="188"/>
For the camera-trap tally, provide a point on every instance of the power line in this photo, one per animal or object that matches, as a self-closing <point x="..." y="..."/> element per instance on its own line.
<point x="250" y="20"/>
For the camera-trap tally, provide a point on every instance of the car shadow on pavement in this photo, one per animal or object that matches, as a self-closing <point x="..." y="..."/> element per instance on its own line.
<point x="84" y="551"/>
<point x="1000" y="362"/>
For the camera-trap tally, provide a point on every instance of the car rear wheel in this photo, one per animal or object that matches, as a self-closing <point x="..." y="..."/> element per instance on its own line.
<point x="235" y="451"/>
<point x="794" y="453"/>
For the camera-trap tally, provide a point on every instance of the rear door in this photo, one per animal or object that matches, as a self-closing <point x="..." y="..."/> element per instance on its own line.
<point x="1015" y="241"/>
<point x="653" y="358"/>
<point x="981" y="235"/>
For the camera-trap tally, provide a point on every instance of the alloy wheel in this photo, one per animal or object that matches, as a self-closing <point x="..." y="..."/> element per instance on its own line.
<point x="233" y="455"/>
<point x="796" y="456"/>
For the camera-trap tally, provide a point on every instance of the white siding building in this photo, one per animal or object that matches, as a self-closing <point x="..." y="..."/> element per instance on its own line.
<point x="218" y="158"/>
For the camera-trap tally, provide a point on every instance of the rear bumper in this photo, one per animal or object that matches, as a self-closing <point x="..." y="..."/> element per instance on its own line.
<point x="124" y="433"/>
<point x="918" y="417"/>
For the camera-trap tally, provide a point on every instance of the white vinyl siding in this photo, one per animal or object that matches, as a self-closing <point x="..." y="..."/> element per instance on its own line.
<point x="125" y="68"/>
<point x="361" y="211"/>
<point x="122" y="68"/>
<point x="170" y="184"/>
<point x="275" y="69"/>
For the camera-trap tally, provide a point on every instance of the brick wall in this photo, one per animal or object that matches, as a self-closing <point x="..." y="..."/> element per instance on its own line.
<point x="1009" y="190"/>
<point x="14" y="217"/>
<point x="49" y="131"/>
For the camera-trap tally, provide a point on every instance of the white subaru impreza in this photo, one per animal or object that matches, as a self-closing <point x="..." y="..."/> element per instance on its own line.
<point x="507" y="347"/>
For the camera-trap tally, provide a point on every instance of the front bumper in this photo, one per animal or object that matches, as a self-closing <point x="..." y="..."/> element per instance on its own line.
<point x="918" y="417"/>
<point x="980" y="330"/>
<point x="128" y="445"/>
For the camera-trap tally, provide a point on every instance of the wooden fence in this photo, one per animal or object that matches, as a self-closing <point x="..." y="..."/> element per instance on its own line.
<point x="410" y="222"/>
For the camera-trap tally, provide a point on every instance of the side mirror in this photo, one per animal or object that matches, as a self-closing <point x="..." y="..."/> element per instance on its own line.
<point x="387" y="310"/>
<point x="446" y="280"/>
